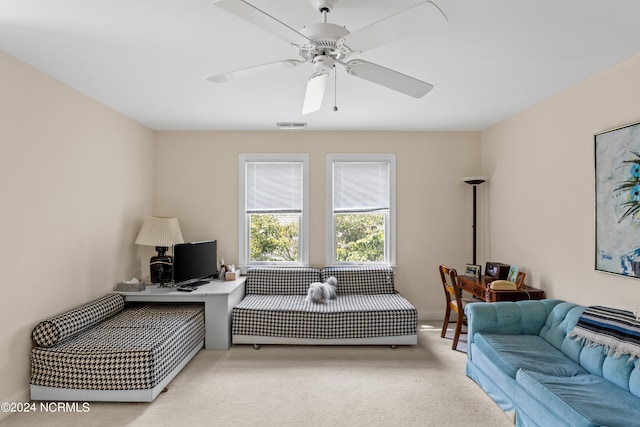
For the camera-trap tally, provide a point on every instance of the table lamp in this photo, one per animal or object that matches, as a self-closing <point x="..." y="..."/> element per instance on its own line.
<point x="160" y="232"/>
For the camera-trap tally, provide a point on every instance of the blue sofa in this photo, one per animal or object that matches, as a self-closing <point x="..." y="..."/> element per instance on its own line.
<point x="521" y="354"/>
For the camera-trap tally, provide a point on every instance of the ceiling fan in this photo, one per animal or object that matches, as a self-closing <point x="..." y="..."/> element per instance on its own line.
<point x="324" y="44"/>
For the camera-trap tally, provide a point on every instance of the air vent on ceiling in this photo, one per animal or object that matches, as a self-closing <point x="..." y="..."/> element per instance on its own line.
<point x="291" y="125"/>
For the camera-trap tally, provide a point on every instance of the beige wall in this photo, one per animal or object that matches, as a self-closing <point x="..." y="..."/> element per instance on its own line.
<point x="77" y="179"/>
<point x="540" y="213"/>
<point x="197" y="181"/>
<point x="76" y="182"/>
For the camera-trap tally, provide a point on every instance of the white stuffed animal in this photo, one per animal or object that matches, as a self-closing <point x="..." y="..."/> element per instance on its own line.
<point x="320" y="292"/>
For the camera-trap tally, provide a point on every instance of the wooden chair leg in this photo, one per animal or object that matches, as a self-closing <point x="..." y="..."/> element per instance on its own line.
<point x="446" y="321"/>
<point x="456" y="336"/>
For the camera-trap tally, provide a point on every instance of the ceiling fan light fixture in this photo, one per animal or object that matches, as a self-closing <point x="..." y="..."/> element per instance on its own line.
<point x="322" y="64"/>
<point x="291" y="125"/>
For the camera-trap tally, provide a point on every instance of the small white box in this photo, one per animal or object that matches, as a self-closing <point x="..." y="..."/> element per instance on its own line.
<point x="130" y="287"/>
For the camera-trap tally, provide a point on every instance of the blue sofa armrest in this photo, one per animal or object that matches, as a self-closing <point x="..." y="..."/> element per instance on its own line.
<point x="509" y="318"/>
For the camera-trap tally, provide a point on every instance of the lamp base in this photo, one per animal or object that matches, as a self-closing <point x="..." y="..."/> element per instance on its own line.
<point x="161" y="267"/>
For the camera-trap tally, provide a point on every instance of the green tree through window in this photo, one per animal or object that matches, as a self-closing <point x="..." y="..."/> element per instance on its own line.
<point x="360" y="237"/>
<point x="274" y="237"/>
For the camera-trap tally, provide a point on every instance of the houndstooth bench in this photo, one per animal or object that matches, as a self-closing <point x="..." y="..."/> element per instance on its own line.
<point x="108" y="351"/>
<point x="368" y="310"/>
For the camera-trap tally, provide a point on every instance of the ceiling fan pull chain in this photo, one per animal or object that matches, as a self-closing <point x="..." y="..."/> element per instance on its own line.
<point x="335" y="88"/>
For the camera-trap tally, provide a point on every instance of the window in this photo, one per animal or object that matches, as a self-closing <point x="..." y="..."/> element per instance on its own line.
<point x="273" y="209"/>
<point x="361" y="209"/>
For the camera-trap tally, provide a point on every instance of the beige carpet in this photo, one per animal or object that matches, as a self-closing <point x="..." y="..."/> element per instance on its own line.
<point x="424" y="385"/>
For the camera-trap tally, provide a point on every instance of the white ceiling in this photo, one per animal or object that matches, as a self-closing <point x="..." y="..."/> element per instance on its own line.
<point x="149" y="59"/>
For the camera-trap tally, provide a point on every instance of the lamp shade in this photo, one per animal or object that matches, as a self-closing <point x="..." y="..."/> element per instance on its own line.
<point x="160" y="231"/>
<point x="474" y="180"/>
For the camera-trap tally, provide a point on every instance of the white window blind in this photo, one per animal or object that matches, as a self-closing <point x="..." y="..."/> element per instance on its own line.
<point x="274" y="187"/>
<point x="360" y="187"/>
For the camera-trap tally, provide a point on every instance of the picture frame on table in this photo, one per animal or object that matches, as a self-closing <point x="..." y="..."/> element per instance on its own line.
<point x="473" y="270"/>
<point x="496" y="270"/>
<point x="513" y="273"/>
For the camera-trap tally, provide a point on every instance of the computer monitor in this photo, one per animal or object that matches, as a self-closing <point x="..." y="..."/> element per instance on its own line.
<point x="195" y="261"/>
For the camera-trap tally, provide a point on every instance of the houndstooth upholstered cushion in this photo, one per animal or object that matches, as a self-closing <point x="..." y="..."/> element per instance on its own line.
<point x="361" y="280"/>
<point x="48" y="332"/>
<point x="348" y="316"/>
<point x="280" y="280"/>
<point x="133" y="350"/>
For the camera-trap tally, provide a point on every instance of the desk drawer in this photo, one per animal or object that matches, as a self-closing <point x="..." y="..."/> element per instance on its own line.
<point x="525" y="293"/>
<point x="476" y="290"/>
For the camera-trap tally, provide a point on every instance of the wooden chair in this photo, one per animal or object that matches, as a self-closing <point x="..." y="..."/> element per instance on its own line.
<point x="455" y="302"/>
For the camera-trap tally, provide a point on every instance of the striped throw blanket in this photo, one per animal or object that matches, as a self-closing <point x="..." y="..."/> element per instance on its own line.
<point x="617" y="330"/>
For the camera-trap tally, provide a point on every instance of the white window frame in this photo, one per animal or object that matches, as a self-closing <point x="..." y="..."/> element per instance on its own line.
<point x="390" y="223"/>
<point x="243" y="219"/>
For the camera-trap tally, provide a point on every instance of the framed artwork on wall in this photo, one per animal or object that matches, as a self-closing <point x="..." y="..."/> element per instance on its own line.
<point x="617" y="197"/>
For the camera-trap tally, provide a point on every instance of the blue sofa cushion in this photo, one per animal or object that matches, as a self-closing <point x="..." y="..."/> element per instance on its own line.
<point x="582" y="400"/>
<point x="508" y="353"/>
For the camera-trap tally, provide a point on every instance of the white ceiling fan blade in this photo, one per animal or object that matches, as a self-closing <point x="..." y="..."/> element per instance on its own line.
<point x="388" y="78"/>
<point x="252" y="71"/>
<point x="315" y="93"/>
<point x="424" y="16"/>
<point x="257" y="17"/>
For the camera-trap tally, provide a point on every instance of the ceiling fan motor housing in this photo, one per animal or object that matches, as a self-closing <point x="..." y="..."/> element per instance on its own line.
<point x="324" y="41"/>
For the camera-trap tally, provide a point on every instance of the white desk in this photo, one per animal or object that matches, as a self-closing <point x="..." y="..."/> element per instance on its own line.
<point x="219" y="298"/>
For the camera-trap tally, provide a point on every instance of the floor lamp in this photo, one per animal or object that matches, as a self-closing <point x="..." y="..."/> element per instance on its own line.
<point x="474" y="181"/>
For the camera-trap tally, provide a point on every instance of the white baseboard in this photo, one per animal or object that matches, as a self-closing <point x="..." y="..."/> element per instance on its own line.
<point x="20" y="397"/>
<point x="433" y="316"/>
<point x="430" y="315"/>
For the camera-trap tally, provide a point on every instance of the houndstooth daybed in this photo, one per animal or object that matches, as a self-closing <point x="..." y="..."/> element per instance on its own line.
<point x="367" y="310"/>
<point x="108" y="351"/>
